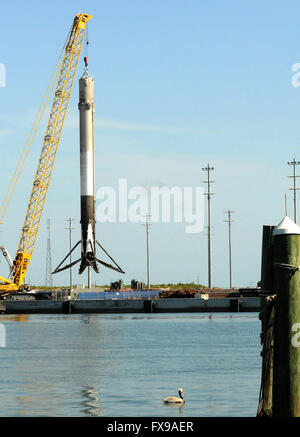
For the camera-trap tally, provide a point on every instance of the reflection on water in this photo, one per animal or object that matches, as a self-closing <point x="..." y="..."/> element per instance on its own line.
<point x="91" y="402"/>
<point x="179" y="406"/>
<point x="24" y="405"/>
<point x="14" y="318"/>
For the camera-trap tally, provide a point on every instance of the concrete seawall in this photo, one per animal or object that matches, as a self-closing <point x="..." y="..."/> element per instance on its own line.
<point x="242" y="304"/>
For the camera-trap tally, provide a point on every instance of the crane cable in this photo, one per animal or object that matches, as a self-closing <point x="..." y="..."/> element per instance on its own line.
<point x="86" y="46"/>
<point x="31" y="136"/>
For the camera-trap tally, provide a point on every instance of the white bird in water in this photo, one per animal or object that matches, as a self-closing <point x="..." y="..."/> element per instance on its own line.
<point x="174" y="399"/>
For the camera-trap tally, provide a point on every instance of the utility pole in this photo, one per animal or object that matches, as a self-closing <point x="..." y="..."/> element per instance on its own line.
<point x="147" y="224"/>
<point x="208" y="169"/>
<point x="89" y="278"/>
<point x="229" y="221"/>
<point x="48" y="279"/>
<point x="70" y="220"/>
<point x="294" y="163"/>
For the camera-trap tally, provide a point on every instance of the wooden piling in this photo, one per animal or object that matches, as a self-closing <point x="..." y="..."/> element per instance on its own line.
<point x="148" y="306"/>
<point x="267" y="321"/>
<point x="67" y="307"/>
<point x="234" y="305"/>
<point x="286" y="275"/>
<point x="266" y="316"/>
<point x="267" y="259"/>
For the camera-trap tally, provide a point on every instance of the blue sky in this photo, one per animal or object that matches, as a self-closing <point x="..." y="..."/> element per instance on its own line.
<point x="178" y="84"/>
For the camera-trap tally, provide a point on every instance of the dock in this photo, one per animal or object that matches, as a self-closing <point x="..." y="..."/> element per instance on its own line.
<point x="107" y="306"/>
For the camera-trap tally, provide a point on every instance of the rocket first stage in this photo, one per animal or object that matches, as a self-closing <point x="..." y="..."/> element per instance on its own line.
<point x="88" y="240"/>
<point x="86" y="108"/>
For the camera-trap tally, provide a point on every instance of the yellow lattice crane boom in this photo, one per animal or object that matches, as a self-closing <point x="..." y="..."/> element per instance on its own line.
<point x="65" y="79"/>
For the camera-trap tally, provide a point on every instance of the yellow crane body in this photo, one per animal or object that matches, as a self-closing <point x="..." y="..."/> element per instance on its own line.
<point x="51" y="141"/>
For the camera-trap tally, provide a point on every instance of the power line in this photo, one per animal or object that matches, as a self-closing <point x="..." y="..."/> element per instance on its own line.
<point x="294" y="163"/>
<point x="48" y="278"/>
<point x="208" y="169"/>
<point x="229" y="221"/>
<point x="69" y="228"/>
<point x="147" y="224"/>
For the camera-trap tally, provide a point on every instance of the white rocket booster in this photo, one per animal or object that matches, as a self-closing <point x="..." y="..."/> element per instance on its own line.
<point x="88" y="240"/>
<point x="86" y="108"/>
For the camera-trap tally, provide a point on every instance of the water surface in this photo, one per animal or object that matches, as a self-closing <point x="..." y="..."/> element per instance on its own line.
<point x="124" y="365"/>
